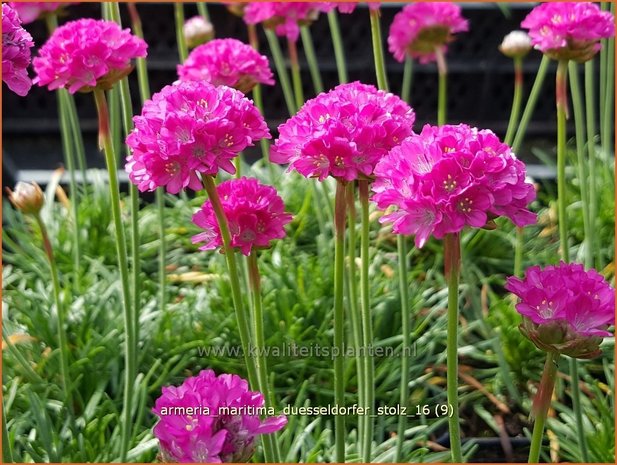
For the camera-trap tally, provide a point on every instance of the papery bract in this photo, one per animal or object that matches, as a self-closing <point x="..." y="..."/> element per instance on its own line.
<point x="255" y="213"/>
<point x="227" y="62"/>
<point x="223" y="423"/>
<point x="343" y="133"/>
<point x="565" y="308"/>
<point x="450" y="177"/>
<point x="16" y="44"/>
<point x="569" y="30"/>
<point x="420" y="28"/>
<point x="189" y="128"/>
<point x="85" y="54"/>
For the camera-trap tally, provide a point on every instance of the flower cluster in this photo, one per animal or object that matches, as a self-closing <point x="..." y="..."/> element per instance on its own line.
<point x="197" y="31"/>
<point x="16" y="44"/>
<point x="343" y="133"/>
<point x="222" y="425"/>
<point x="565" y="309"/>
<point x="227" y="62"/>
<point x="188" y="128"/>
<point x="84" y="54"/>
<point x="449" y="177"/>
<point x="255" y="213"/>
<point x="569" y="30"/>
<point x="284" y="17"/>
<point x="31" y="11"/>
<point x="421" y="28"/>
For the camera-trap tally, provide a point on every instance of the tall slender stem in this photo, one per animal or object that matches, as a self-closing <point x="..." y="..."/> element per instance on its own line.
<point x="541" y="404"/>
<point x="531" y="103"/>
<point x="562" y="109"/>
<point x="141" y="64"/>
<point x="339" y="318"/>
<point x="380" y="66"/>
<point x="7" y="449"/>
<point x="110" y="159"/>
<point x="406" y="347"/>
<point x="337" y="42"/>
<point x="183" y="50"/>
<point x="367" y="322"/>
<point x="202" y="9"/>
<point x="281" y="71"/>
<point x="607" y="117"/>
<point x="442" y="71"/>
<point x="311" y="58"/>
<point x="516" y="101"/>
<point x="407" y="78"/>
<point x="60" y="309"/>
<point x="452" y="263"/>
<point x="292" y="48"/>
<point x="590" y="113"/>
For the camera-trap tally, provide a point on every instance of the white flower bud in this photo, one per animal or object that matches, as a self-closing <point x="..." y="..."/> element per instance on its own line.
<point x="197" y="31"/>
<point x="516" y="44"/>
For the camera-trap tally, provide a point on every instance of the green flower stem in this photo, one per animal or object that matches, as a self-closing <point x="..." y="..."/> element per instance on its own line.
<point x="442" y="71"/>
<point x="264" y="143"/>
<point x="531" y="104"/>
<point x="541" y="404"/>
<point x="292" y="48"/>
<point x="591" y="156"/>
<point x="578" y="413"/>
<point x="380" y="65"/>
<point x="562" y="109"/>
<point x="516" y="101"/>
<point x="183" y="50"/>
<point x="60" y="309"/>
<point x="311" y="58"/>
<point x="113" y="97"/>
<point x="281" y="71"/>
<point x="337" y="42"/>
<point x="7" y="450"/>
<point x="253" y="38"/>
<point x="110" y="158"/>
<point x="406" y="347"/>
<point x="202" y="9"/>
<point x="407" y="78"/>
<point x="238" y="165"/>
<point x="260" y="344"/>
<point x="607" y="118"/>
<point x="141" y="64"/>
<point x="519" y="245"/>
<point x="339" y="318"/>
<point x="367" y="323"/>
<point x="452" y="263"/>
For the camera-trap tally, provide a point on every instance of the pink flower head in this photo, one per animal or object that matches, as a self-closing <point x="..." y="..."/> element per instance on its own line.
<point x="227" y="62"/>
<point x="284" y="17"/>
<point x="449" y="177"/>
<point x="16" y="44"/>
<point x="87" y="53"/>
<point x="565" y="308"/>
<point x="569" y="30"/>
<point x="31" y="11"/>
<point x="343" y="133"/>
<point x="420" y="28"/>
<point x="346" y="7"/>
<point x="188" y="128"/>
<point x="255" y="213"/>
<point x="211" y="419"/>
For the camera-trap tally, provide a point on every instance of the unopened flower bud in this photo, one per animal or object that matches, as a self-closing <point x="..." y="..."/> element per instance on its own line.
<point x="28" y="197"/>
<point x="197" y="31"/>
<point x="516" y="44"/>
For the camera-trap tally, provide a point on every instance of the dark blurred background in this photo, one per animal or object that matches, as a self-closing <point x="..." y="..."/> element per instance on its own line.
<point x="480" y="80"/>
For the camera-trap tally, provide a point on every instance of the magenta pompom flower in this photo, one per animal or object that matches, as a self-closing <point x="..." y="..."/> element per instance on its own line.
<point x="421" y="28"/>
<point x="31" y="11"/>
<point x="569" y="30"/>
<point x="211" y="419"/>
<point x="284" y="17"/>
<point x="188" y="128"/>
<point x="343" y="133"/>
<point x="16" y="44"/>
<point x="565" y="309"/>
<point x="255" y="213"/>
<point x="227" y="62"/>
<point x="86" y="54"/>
<point x="449" y="177"/>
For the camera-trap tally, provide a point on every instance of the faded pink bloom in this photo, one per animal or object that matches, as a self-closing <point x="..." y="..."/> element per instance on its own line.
<point x="420" y="28"/>
<point x="284" y="17"/>
<point x="255" y="212"/>
<point x="569" y="30"/>
<point x="31" y="11"/>
<point x="211" y="419"/>
<point x="16" y="45"/>
<point x="343" y="133"/>
<point x="450" y="177"/>
<point x="197" y="30"/>
<point x="565" y="308"/>
<point x="87" y="53"/>
<point x="346" y="7"/>
<point x="189" y="128"/>
<point x="227" y="62"/>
